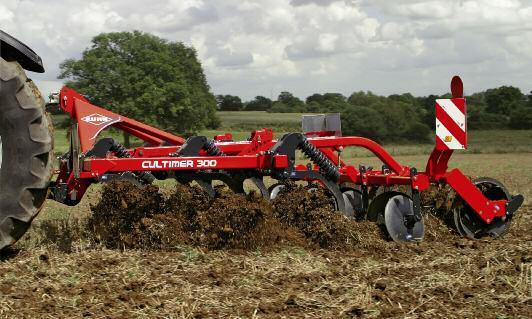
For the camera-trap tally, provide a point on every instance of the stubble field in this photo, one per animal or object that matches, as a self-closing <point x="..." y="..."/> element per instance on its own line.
<point x="65" y="269"/>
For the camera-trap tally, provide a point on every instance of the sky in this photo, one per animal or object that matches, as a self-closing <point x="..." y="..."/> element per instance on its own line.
<point x="250" y="48"/>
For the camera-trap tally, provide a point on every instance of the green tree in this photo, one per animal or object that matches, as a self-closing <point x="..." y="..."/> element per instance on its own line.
<point x="503" y="100"/>
<point x="288" y="103"/>
<point x="314" y="107"/>
<point x="521" y="118"/>
<point x="398" y="118"/>
<point x="144" y="77"/>
<point x="428" y="105"/>
<point x="364" y="121"/>
<point x="394" y="118"/>
<point x="260" y="103"/>
<point x="479" y="119"/>
<point x="361" y="98"/>
<point x="478" y="99"/>
<point x="328" y="102"/>
<point x="407" y="98"/>
<point x="417" y="132"/>
<point x="229" y="103"/>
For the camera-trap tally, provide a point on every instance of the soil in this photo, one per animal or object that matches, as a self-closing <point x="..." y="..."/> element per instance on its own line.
<point x="151" y="253"/>
<point x="143" y="218"/>
<point x="128" y="217"/>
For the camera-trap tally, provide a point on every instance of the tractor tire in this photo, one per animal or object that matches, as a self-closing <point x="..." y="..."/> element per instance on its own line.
<point x="26" y="152"/>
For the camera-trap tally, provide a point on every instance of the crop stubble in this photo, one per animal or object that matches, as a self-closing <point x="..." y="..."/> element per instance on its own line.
<point x="184" y="255"/>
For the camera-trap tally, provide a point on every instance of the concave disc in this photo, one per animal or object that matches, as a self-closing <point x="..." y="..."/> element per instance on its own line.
<point x="353" y="203"/>
<point x="395" y="212"/>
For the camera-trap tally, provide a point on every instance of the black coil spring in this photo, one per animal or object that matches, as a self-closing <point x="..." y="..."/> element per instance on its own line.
<point x="326" y="166"/>
<point x="211" y="149"/>
<point x="146" y="177"/>
<point x="122" y="152"/>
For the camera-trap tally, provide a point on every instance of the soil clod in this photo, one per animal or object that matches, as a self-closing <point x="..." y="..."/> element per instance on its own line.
<point x="143" y="218"/>
<point x="128" y="216"/>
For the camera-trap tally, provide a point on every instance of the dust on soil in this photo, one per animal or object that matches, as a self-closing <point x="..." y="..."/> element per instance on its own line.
<point x="324" y="266"/>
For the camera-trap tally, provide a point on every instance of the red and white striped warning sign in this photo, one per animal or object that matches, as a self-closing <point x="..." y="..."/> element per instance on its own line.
<point x="451" y="126"/>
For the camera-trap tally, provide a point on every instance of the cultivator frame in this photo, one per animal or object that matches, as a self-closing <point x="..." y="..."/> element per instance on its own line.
<point x="92" y="160"/>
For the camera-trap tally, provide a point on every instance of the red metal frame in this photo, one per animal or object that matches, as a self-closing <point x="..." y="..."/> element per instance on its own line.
<point x="254" y="153"/>
<point x="81" y="110"/>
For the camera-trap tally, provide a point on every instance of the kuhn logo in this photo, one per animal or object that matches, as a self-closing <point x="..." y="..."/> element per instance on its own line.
<point x="96" y="119"/>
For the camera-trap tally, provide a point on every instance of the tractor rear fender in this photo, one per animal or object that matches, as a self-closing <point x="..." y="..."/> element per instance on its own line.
<point x="12" y="49"/>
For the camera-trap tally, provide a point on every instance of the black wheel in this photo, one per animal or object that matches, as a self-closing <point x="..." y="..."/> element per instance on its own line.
<point x="468" y="224"/>
<point x="26" y="152"/>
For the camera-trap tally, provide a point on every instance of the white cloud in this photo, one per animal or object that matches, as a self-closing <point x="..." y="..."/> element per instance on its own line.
<point x="425" y="10"/>
<point x="251" y="47"/>
<point x="6" y="15"/>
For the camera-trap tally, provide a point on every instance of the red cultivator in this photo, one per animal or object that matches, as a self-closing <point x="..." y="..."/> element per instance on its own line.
<point x="482" y="207"/>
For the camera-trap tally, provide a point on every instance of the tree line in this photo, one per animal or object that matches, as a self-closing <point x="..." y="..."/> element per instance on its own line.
<point x="162" y="83"/>
<point x="398" y="116"/>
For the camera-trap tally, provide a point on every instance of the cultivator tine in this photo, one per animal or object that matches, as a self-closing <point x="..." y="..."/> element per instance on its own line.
<point x="337" y="194"/>
<point x="207" y="187"/>
<point x="259" y="183"/>
<point x="376" y="206"/>
<point x="205" y="184"/>
<point x="364" y="188"/>
<point x="514" y="204"/>
<point x="275" y="190"/>
<point x="125" y="176"/>
<point x="235" y="182"/>
<point x="354" y="206"/>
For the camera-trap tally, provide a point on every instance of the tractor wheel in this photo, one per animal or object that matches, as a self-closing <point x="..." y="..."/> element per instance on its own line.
<point x="26" y="150"/>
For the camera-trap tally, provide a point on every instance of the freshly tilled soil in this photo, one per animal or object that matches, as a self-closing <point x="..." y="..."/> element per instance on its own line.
<point x="131" y="217"/>
<point x="128" y="216"/>
<point x="236" y="256"/>
<point x="312" y="213"/>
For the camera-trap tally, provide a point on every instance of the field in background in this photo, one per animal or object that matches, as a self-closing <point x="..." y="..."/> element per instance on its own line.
<point x="241" y="124"/>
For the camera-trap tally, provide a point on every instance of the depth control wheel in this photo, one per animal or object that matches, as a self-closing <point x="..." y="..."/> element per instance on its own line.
<point x="466" y="221"/>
